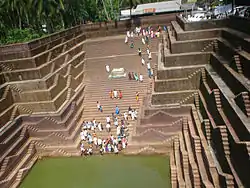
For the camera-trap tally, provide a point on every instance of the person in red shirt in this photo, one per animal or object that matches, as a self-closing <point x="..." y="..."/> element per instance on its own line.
<point x="120" y="94"/>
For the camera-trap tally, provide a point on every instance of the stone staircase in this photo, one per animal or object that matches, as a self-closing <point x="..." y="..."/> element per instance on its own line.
<point x="209" y="140"/>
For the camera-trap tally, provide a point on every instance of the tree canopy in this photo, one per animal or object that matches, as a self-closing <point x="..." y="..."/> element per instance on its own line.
<point x="22" y="20"/>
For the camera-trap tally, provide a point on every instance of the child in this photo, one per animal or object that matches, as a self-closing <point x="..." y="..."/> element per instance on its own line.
<point x="132" y="45"/>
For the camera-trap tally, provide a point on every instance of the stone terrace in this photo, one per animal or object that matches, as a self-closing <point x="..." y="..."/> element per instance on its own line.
<point x="203" y="66"/>
<point x="45" y="82"/>
<point x="43" y="88"/>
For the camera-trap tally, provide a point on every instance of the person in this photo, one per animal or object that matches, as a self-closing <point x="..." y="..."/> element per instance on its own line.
<point x="137" y="96"/>
<point x="120" y="94"/>
<point x="129" y="76"/>
<point x="108" y="119"/>
<point x="101" y="110"/>
<point x="148" y="51"/>
<point x="141" y="78"/>
<point x="98" y="105"/>
<point x="128" y="34"/>
<point x="143" y="41"/>
<point x="90" y="150"/>
<point x="149" y="69"/>
<point x="117" y="110"/>
<point x="149" y="56"/>
<point x="115" y="94"/>
<point x="116" y="122"/>
<point x="125" y="115"/>
<point x="132" y="76"/>
<point x="100" y="127"/>
<point x="132" y="45"/>
<point x="82" y="149"/>
<point x="139" y="52"/>
<point x="116" y="150"/>
<point x="108" y="127"/>
<point x="142" y="61"/>
<point x="132" y="34"/>
<point x="136" y="76"/>
<point x="129" y="110"/>
<point x="111" y="94"/>
<point x="107" y="68"/>
<point x="126" y="40"/>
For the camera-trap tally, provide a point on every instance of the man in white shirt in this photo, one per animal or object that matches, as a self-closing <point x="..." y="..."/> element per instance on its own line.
<point x="118" y="130"/>
<point x="108" y="127"/>
<point x="126" y="40"/>
<point x="82" y="149"/>
<point x="82" y="135"/>
<point x="107" y="68"/>
<point x="95" y="141"/>
<point x="125" y="116"/>
<point x="116" y="122"/>
<point x="115" y="92"/>
<point x="128" y="34"/>
<point x="108" y="119"/>
<point x="98" y="105"/>
<point x="133" y="115"/>
<point x="149" y="69"/>
<point x="99" y="141"/>
<point x="150" y="56"/>
<point x="142" y="61"/>
<point x="132" y="34"/>
<point x="90" y="151"/>
<point x="100" y="126"/>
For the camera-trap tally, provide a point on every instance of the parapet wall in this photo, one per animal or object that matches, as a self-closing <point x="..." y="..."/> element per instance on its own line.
<point x="206" y="24"/>
<point x="25" y="50"/>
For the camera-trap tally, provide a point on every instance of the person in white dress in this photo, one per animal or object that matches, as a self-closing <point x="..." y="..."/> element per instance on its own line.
<point x="141" y="78"/>
<point x="82" y="135"/>
<point x="125" y="116"/>
<point x="108" y="127"/>
<point x="126" y="39"/>
<point x="133" y="115"/>
<point x="143" y="41"/>
<point x="132" y="34"/>
<point x="107" y="68"/>
<point x="100" y="126"/>
<point x="116" y="151"/>
<point x="142" y="61"/>
<point x="128" y="34"/>
<point x="118" y="130"/>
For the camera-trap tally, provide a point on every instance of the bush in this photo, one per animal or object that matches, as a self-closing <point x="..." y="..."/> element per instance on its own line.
<point x="19" y="36"/>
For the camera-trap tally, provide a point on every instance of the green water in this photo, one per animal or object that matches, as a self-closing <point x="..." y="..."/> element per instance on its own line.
<point x="100" y="172"/>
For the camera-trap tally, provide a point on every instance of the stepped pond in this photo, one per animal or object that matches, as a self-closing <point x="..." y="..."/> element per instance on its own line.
<point x="100" y="172"/>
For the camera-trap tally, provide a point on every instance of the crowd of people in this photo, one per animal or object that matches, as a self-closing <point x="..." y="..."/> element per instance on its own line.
<point x="114" y="144"/>
<point x="111" y="144"/>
